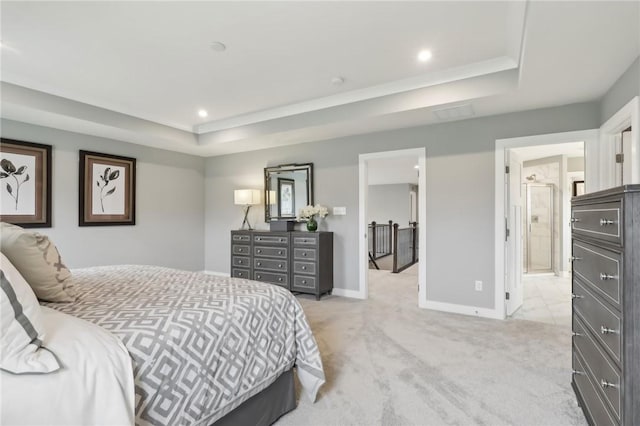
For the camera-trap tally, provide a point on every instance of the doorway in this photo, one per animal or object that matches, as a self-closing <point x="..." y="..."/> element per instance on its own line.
<point x="542" y="184"/>
<point x="516" y="160"/>
<point x="376" y="169"/>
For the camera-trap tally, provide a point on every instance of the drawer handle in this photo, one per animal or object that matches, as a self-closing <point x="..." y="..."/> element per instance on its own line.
<point x="606" y="330"/>
<point x="239" y="262"/>
<point x="282" y="240"/>
<point x="605" y="277"/>
<point x="605" y="222"/>
<point x="576" y="334"/>
<point x="304" y="281"/>
<point x="574" y="258"/>
<point x="259" y="239"/>
<point x="574" y="220"/>
<point x="259" y="276"/>
<point x="239" y="274"/>
<point x="576" y="296"/>
<point x="606" y="384"/>
<point x="304" y="268"/>
<point x="304" y="253"/>
<point x="280" y="279"/>
<point x="259" y="263"/>
<point x="279" y="265"/>
<point x="280" y="252"/>
<point x="239" y="250"/>
<point x="259" y="251"/>
<point x="579" y="373"/>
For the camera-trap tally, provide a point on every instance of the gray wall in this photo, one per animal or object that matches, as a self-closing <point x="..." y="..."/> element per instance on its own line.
<point x="459" y="204"/>
<point x="389" y="202"/>
<point x="169" y="204"/>
<point x="622" y="91"/>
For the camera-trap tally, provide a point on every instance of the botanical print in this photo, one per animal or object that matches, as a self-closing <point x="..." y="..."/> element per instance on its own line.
<point x="108" y="192"/>
<point x="18" y="185"/>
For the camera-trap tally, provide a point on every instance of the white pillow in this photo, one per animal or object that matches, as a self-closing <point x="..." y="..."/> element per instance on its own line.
<point x="39" y="262"/>
<point x="21" y="349"/>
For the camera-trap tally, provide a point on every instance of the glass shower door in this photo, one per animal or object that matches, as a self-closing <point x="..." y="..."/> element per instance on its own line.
<point x="539" y="227"/>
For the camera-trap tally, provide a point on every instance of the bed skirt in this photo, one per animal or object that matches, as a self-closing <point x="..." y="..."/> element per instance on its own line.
<point x="266" y="407"/>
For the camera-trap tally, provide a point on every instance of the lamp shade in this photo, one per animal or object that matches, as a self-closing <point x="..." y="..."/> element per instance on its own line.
<point x="246" y="197"/>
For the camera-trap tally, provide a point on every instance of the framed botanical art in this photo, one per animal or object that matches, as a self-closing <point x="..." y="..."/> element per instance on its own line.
<point x="25" y="183"/>
<point x="286" y="197"/>
<point x="107" y="190"/>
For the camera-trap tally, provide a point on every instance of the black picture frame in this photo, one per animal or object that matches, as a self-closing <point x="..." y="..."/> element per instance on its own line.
<point x="39" y="178"/>
<point x="114" y="172"/>
<point x="286" y="197"/>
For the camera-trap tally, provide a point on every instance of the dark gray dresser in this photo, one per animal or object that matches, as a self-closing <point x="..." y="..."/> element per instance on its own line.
<point x="299" y="261"/>
<point x="606" y="305"/>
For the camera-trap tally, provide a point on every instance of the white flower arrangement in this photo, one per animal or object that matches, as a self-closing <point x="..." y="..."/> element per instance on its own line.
<point x="308" y="212"/>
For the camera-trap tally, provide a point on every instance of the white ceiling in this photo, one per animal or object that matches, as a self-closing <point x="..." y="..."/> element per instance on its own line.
<point x="570" y="149"/>
<point x="126" y="61"/>
<point x="386" y="171"/>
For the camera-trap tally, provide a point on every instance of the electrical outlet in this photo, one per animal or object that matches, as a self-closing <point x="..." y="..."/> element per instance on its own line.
<point x="478" y="285"/>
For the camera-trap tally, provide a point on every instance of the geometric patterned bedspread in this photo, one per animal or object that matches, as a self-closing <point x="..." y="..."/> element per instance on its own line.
<point x="201" y="344"/>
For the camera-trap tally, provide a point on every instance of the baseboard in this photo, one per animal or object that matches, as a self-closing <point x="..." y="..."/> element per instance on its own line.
<point x="354" y="294"/>
<point x="462" y="309"/>
<point x="220" y="274"/>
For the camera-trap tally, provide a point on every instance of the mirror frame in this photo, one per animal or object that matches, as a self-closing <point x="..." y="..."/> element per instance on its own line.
<point x="308" y="167"/>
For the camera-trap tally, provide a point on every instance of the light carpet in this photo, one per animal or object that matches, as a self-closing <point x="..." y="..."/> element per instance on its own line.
<point x="388" y="362"/>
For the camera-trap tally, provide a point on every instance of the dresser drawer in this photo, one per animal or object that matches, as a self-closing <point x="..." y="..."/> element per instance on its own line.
<point x="271" y="239"/>
<point x="240" y="273"/>
<point x="240" y="249"/>
<point x="601" y="370"/>
<point x="276" y="252"/>
<point x="307" y="240"/>
<point x="601" y="268"/>
<point x="270" y="265"/>
<point x="604" y="322"/>
<point x="303" y="282"/>
<point x="600" y="221"/>
<point x="592" y="402"/>
<point x="242" y="262"/>
<point x="304" y="253"/>
<point x="240" y="238"/>
<point x="269" y="277"/>
<point x="304" y="267"/>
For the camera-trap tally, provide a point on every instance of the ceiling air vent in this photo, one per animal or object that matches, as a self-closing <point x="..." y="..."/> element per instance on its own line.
<point x="457" y="112"/>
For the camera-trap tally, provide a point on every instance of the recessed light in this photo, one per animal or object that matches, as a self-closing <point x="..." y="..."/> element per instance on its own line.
<point x="203" y="113"/>
<point x="217" y="46"/>
<point x="416" y="167"/>
<point x="424" y="55"/>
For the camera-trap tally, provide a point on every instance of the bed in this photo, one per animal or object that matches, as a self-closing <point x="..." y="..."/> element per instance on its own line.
<point x="204" y="349"/>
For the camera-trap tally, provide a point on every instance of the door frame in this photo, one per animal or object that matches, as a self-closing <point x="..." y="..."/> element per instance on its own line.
<point x="590" y="139"/>
<point x="628" y="115"/>
<point x="363" y="198"/>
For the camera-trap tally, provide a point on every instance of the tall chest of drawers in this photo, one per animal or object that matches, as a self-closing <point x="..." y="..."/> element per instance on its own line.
<point x="606" y="305"/>
<point x="299" y="261"/>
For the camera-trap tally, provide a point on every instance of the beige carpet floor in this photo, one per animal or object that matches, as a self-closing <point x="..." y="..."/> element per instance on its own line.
<point x="388" y="362"/>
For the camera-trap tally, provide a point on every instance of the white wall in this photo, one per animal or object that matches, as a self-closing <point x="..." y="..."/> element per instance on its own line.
<point x="390" y="202"/>
<point x="169" y="203"/>
<point x="460" y="194"/>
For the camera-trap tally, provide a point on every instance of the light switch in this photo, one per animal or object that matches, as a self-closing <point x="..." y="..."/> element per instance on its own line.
<point x="339" y="211"/>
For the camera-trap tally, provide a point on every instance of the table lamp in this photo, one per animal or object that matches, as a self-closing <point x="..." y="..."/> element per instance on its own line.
<point x="246" y="198"/>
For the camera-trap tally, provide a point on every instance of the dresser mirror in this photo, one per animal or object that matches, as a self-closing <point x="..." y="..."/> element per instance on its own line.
<point x="287" y="189"/>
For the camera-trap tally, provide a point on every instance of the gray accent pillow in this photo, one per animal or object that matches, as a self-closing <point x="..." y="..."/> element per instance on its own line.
<point x="39" y="262"/>
<point x="21" y="326"/>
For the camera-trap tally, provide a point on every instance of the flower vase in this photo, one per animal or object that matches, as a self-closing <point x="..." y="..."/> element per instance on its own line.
<point x="312" y="225"/>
